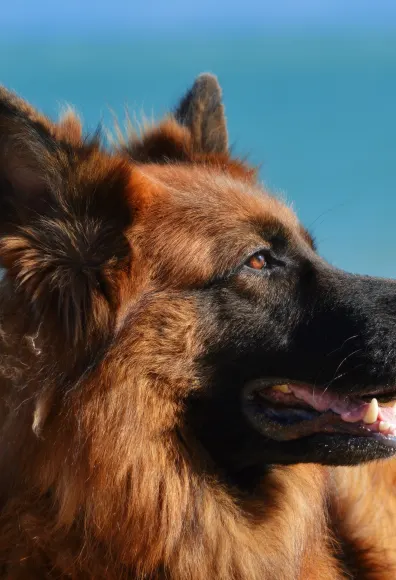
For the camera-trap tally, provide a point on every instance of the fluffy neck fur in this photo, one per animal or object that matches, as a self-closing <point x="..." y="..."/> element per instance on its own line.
<point x="107" y="489"/>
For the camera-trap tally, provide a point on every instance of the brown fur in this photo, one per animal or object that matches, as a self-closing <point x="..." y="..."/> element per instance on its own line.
<point x="68" y="128"/>
<point x="101" y="477"/>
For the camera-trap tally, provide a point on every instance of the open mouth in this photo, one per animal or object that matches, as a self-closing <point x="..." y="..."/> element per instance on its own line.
<point x="284" y="410"/>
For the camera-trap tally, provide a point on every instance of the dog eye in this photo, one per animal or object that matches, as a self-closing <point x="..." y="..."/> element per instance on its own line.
<point x="257" y="262"/>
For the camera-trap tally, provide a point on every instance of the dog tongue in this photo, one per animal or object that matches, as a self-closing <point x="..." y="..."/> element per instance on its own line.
<point x="375" y="417"/>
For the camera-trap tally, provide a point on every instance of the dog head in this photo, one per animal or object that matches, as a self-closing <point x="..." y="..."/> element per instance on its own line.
<point x="166" y="292"/>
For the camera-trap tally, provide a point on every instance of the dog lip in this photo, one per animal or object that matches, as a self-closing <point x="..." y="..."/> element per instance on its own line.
<point x="266" y="383"/>
<point x="295" y="409"/>
<point x="385" y="393"/>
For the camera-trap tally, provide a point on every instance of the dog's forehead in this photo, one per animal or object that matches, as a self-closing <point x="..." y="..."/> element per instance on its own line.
<point x="198" y="222"/>
<point x="210" y="194"/>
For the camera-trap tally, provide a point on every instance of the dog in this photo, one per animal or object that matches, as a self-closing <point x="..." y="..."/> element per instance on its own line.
<point x="188" y="390"/>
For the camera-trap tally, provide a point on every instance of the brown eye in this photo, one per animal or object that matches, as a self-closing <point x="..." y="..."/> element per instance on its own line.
<point x="257" y="261"/>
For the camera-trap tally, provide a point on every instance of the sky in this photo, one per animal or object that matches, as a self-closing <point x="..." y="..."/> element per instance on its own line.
<point x="137" y="17"/>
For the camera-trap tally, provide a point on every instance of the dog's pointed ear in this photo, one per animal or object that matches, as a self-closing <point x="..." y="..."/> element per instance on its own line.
<point x="194" y="133"/>
<point x="29" y="156"/>
<point x="202" y="112"/>
<point x="63" y="218"/>
<point x="31" y="147"/>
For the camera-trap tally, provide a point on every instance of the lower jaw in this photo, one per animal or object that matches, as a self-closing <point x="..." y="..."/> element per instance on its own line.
<point x="330" y="449"/>
<point x="247" y="468"/>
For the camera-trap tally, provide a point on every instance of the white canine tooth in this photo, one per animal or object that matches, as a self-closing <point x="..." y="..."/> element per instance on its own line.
<point x="371" y="413"/>
<point x="384" y="426"/>
<point x="281" y="388"/>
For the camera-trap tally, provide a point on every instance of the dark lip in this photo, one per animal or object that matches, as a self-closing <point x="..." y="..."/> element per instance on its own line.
<point x="319" y="423"/>
<point x="384" y="393"/>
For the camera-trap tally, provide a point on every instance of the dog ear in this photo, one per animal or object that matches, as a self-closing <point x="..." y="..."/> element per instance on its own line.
<point x="67" y="129"/>
<point x="63" y="217"/>
<point x="202" y="112"/>
<point x="195" y="133"/>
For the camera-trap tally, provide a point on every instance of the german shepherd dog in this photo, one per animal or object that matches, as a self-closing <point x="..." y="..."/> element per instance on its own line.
<point x="188" y="390"/>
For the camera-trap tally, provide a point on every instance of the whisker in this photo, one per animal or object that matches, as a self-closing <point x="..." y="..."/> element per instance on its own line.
<point x="339" y="367"/>
<point x="340" y="347"/>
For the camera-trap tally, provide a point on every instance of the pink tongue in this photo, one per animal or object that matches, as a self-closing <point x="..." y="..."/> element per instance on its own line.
<point x="351" y="410"/>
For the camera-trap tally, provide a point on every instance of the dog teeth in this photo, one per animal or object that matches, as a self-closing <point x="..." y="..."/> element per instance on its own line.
<point x="371" y="413"/>
<point x="384" y="426"/>
<point x="281" y="388"/>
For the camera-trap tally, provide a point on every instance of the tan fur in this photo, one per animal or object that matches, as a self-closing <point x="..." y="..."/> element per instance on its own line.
<point x="364" y="510"/>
